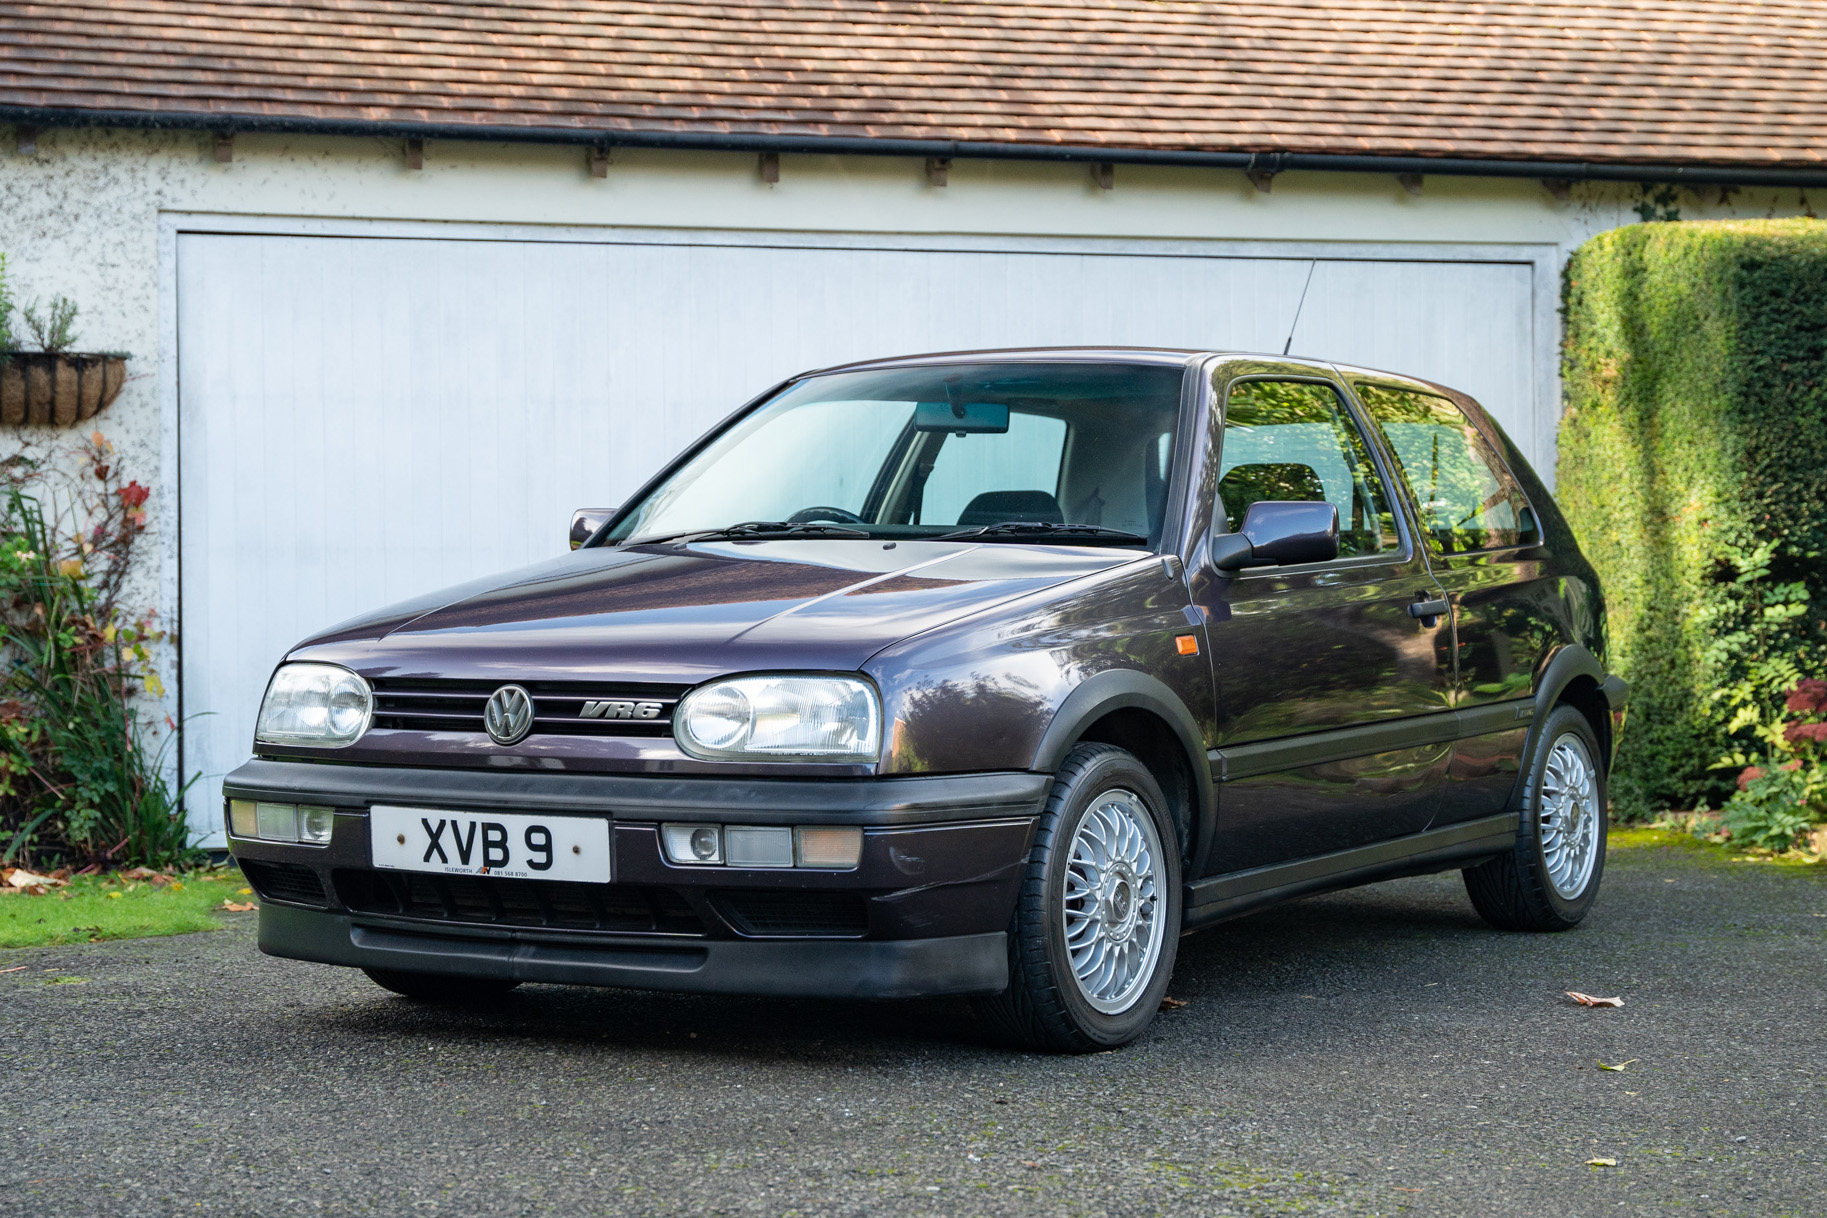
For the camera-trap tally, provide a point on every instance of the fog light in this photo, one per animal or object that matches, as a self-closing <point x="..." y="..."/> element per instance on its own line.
<point x="241" y="819"/>
<point x="758" y="846"/>
<point x="833" y="846"/>
<point x="693" y="843"/>
<point x="277" y="822"/>
<point x="314" y="825"/>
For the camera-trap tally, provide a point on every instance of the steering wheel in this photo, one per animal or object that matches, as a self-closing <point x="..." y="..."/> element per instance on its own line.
<point x="808" y="515"/>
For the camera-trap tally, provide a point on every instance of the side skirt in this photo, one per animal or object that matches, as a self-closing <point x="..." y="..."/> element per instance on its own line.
<point x="1227" y="896"/>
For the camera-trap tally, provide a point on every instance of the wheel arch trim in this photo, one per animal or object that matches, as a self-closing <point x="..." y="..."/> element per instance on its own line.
<point x="1126" y="689"/>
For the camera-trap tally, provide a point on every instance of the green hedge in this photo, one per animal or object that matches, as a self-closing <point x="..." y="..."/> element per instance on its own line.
<point x="1695" y="373"/>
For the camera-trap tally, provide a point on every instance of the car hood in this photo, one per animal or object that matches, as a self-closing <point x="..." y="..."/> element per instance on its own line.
<point x="685" y="613"/>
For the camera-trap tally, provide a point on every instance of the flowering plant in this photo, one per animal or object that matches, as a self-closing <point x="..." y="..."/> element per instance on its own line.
<point x="1781" y="793"/>
<point x="81" y="765"/>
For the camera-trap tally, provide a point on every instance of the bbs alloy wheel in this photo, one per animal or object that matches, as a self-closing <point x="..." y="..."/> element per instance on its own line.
<point x="1549" y="879"/>
<point x="1092" y="940"/>
<point x="1111" y="907"/>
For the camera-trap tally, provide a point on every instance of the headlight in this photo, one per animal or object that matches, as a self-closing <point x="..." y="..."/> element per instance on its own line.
<point x="316" y="705"/>
<point x="784" y="718"/>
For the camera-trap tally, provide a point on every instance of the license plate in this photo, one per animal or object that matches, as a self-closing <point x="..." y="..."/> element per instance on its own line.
<point x="507" y="844"/>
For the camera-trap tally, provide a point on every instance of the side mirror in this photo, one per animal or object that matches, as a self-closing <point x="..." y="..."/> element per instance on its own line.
<point x="1279" y="533"/>
<point x="586" y="521"/>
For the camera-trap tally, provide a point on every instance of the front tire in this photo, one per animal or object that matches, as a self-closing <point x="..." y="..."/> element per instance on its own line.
<point x="441" y="988"/>
<point x="1550" y="878"/>
<point x="1097" y="922"/>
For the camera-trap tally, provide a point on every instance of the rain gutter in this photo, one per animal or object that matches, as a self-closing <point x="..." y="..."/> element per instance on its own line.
<point x="1262" y="163"/>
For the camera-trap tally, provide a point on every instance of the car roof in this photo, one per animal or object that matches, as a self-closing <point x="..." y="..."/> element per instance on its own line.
<point x="1170" y="356"/>
<point x="1159" y="356"/>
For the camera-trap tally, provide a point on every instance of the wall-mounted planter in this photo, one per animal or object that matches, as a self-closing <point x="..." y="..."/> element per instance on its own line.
<point x="58" y="389"/>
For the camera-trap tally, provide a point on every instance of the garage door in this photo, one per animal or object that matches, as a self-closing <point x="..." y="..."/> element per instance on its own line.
<point x="361" y="420"/>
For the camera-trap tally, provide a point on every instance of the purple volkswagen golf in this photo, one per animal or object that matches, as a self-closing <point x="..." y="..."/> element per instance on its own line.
<point x="985" y="674"/>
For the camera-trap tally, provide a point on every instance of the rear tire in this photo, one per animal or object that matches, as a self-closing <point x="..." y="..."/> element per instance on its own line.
<point x="1550" y="878"/>
<point x="441" y="988"/>
<point x="1097" y="921"/>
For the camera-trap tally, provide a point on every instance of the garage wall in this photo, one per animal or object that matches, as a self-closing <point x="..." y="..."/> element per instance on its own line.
<point x="362" y="419"/>
<point x="97" y="215"/>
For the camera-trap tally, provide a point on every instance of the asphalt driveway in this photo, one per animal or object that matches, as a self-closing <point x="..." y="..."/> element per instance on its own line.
<point x="1376" y="1051"/>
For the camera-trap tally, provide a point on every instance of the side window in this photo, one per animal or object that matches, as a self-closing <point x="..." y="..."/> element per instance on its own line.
<point x="1467" y="499"/>
<point x="991" y="477"/>
<point x="1294" y="440"/>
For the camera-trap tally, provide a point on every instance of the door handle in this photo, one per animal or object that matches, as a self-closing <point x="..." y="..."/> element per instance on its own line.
<point x="1430" y="611"/>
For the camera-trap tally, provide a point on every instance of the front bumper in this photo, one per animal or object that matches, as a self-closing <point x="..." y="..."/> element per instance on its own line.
<point x="924" y="912"/>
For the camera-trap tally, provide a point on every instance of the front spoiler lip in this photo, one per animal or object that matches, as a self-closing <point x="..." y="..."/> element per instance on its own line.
<point x="900" y="800"/>
<point x="813" y="968"/>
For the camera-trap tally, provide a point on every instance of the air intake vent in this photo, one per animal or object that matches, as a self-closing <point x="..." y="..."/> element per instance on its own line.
<point x="775" y="912"/>
<point x="478" y="901"/>
<point x="560" y="708"/>
<point x="292" y="882"/>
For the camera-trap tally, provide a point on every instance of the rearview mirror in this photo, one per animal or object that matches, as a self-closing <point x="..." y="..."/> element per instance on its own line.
<point x="586" y="521"/>
<point x="986" y="418"/>
<point x="1279" y="533"/>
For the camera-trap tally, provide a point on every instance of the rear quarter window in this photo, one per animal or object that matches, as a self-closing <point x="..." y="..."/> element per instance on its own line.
<point x="1464" y="492"/>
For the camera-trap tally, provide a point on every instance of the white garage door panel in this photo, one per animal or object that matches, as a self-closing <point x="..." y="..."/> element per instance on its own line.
<point x="362" y="420"/>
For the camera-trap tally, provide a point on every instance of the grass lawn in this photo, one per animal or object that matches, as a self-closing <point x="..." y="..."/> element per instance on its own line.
<point x="93" y="908"/>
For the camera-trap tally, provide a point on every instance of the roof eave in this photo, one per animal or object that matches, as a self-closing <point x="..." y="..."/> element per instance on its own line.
<point x="1268" y="162"/>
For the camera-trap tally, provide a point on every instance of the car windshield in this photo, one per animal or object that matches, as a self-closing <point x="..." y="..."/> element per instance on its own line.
<point x="1052" y="452"/>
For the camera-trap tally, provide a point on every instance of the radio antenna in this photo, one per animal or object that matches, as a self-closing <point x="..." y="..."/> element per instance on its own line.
<point x="1299" y="306"/>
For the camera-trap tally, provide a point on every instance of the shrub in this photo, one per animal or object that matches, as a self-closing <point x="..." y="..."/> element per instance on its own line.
<point x="1693" y="467"/>
<point x="81" y="781"/>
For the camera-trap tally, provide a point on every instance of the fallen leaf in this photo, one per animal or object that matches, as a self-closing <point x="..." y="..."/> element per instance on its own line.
<point x="1587" y="1000"/>
<point x="19" y="877"/>
<point x="244" y="892"/>
<point x="238" y="906"/>
<point x="1619" y="1066"/>
<point x="1172" y="1004"/>
<point x="1601" y="1163"/>
<point x="1029" y="1163"/>
<point x="114" y="896"/>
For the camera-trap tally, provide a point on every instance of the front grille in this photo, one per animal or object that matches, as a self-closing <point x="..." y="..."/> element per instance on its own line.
<point x="610" y="908"/>
<point x="558" y="706"/>
<point x="284" y="882"/>
<point x="778" y="912"/>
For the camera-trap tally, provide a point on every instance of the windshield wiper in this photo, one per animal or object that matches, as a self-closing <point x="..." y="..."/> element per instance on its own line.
<point x="1043" y="530"/>
<point x="756" y="529"/>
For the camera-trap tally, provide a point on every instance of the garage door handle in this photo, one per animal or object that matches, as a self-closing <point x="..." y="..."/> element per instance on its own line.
<point x="1430" y="612"/>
